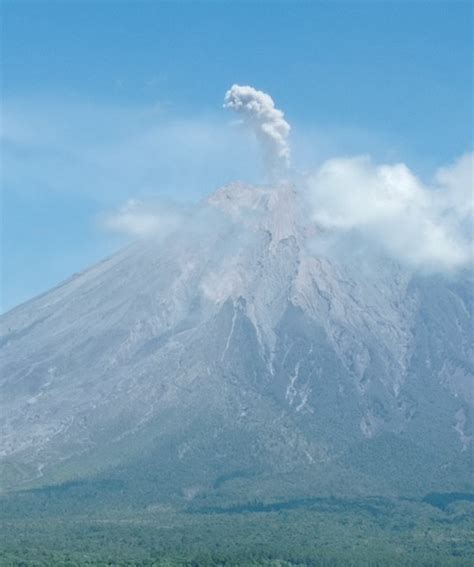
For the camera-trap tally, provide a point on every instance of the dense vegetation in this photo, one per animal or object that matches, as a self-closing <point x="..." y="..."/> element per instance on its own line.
<point x="40" y="529"/>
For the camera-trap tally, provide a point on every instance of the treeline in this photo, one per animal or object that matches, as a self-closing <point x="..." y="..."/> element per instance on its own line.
<point x="325" y="532"/>
<point x="38" y="558"/>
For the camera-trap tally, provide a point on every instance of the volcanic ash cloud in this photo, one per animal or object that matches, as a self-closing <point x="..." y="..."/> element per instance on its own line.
<point x="258" y="111"/>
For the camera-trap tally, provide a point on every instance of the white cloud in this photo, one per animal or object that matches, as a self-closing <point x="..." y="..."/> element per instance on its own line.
<point x="388" y="207"/>
<point x="138" y="219"/>
<point x="258" y="110"/>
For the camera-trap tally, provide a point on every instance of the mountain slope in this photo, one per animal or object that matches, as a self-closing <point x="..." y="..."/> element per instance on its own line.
<point x="231" y="358"/>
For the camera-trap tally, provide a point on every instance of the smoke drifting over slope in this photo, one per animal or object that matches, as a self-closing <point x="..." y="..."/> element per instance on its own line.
<point x="142" y="220"/>
<point x="350" y="201"/>
<point x="258" y="111"/>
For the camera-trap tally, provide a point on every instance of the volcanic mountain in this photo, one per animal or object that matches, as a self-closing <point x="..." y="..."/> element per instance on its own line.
<point x="231" y="358"/>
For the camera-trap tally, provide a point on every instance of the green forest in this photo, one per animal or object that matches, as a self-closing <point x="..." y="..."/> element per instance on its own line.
<point x="41" y="530"/>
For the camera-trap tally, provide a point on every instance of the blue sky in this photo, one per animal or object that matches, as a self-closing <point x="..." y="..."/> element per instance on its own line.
<point x="106" y="101"/>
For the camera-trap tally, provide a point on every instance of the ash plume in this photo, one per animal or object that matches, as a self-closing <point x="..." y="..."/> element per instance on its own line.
<point x="271" y="129"/>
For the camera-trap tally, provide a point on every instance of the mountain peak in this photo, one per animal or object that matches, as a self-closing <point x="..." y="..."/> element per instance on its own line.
<point x="275" y="209"/>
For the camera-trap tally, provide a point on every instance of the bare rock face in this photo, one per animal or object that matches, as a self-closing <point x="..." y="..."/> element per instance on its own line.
<point x="233" y="355"/>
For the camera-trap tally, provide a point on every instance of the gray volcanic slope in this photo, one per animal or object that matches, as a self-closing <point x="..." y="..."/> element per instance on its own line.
<point x="229" y="358"/>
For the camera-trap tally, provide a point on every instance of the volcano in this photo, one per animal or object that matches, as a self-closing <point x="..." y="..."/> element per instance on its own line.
<point x="232" y="358"/>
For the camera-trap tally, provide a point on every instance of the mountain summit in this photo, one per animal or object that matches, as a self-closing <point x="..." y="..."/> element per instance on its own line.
<point x="232" y="357"/>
